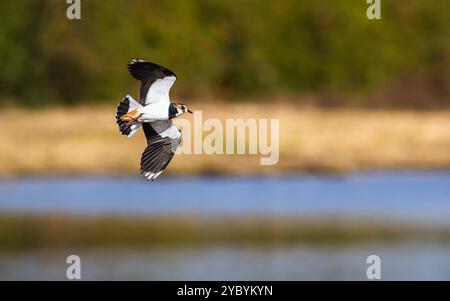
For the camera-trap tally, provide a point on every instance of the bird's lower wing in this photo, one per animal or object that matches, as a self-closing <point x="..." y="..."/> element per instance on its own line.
<point x="156" y="157"/>
<point x="160" y="150"/>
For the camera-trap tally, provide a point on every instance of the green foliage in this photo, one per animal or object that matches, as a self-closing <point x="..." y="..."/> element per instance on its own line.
<point x="223" y="48"/>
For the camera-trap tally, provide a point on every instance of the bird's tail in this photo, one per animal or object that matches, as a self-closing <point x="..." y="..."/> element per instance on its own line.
<point x="126" y="105"/>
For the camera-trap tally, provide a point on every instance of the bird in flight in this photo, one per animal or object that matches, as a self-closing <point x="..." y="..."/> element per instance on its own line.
<point x="154" y="112"/>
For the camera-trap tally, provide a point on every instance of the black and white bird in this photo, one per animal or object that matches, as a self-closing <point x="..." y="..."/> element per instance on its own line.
<point x="154" y="112"/>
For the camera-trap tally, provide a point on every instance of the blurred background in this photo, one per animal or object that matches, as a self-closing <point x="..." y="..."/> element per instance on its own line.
<point x="364" y="110"/>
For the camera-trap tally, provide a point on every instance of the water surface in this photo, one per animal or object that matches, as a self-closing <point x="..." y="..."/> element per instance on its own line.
<point x="407" y="195"/>
<point x="412" y="196"/>
<point x="419" y="261"/>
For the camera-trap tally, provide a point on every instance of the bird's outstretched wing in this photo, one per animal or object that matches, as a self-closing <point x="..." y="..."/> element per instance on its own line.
<point x="163" y="139"/>
<point x="156" y="81"/>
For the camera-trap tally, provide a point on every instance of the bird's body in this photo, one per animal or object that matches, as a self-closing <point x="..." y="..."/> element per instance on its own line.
<point x="154" y="112"/>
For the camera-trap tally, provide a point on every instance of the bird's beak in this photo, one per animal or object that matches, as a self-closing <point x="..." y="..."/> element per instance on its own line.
<point x="189" y="111"/>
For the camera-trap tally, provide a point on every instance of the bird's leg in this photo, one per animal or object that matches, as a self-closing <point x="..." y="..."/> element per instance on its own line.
<point x="131" y="116"/>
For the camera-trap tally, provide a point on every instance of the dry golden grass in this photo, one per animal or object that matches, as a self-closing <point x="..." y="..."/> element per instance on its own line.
<point x="85" y="140"/>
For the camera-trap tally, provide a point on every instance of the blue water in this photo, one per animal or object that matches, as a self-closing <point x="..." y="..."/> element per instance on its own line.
<point x="420" y="196"/>
<point x="412" y="196"/>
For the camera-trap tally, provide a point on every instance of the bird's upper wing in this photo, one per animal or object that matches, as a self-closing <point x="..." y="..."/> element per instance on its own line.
<point x="163" y="139"/>
<point x="156" y="81"/>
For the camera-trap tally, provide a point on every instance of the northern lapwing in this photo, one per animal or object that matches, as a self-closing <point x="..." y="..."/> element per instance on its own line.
<point x="154" y="112"/>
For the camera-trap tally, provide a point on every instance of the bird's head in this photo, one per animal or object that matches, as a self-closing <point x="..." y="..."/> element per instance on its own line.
<point x="181" y="108"/>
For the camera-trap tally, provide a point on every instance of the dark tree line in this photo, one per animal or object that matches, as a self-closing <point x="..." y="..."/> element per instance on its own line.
<point x="233" y="48"/>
